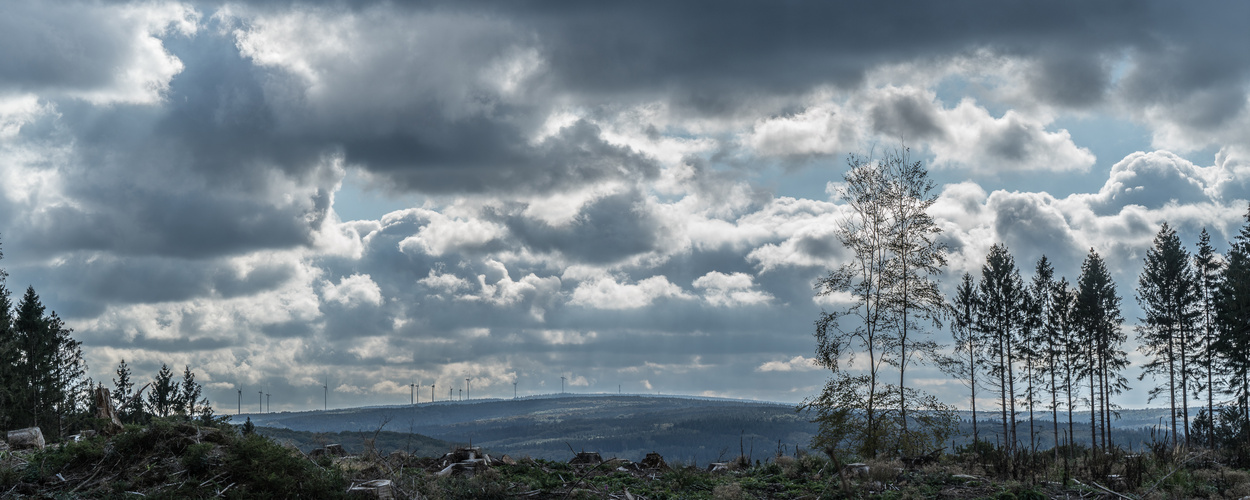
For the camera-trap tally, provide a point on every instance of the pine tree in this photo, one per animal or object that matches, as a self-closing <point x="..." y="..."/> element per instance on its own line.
<point x="1001" y="319"/>
<point x="163" y="392"/>
<point x="1208" y="269"/>
<point x="1167" y="294"/>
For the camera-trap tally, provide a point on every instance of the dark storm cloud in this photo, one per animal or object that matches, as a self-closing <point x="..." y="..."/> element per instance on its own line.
<point x="87" y="282"/>
<point x="1196" y="66"/>
<point x="607" y="230"/>
<point x="1071" y="79"/>
<point x="786" y="47"/>
<point x="197" y="177"/>
<point x="479" y="154"/>
<point x="908" y="116"/>
<point x="1031" y="229"/>
<point x="57" y="46"/>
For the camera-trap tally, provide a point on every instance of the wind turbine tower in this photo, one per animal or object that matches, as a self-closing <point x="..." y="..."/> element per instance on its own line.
<point x="240" y="412"/>
<point x="561" y="385"/>
<point x="268" y="408"/>
<point x="412" y="393"/>
<point x="466" y="389"/>
<point x="431" y="392"/>
<point x="326" y="388"/>
<point x="260" y="401"/>
<point x="514" y="390"/>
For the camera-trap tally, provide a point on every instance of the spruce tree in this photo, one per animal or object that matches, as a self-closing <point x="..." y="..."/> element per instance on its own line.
<point x="1098" y="321"/>
<point x="163" y="392"/>
<point x="1065" y="349"/>
<point x="1232" y="313"/>
<point x="1167" y="294"/>
<point x="188" y="394"/>
<point x="1034" y="342"/>
<point x="965" y="309"/>
<point x="1001" y="320"/>
<point x="123" y="391"/>
<point x="9" y="355"/>
<point x="35" y="363"/>
<point x="1208" y="269"/>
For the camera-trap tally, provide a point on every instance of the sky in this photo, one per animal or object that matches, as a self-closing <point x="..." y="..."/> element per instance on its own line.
<point x="634" y="196"/>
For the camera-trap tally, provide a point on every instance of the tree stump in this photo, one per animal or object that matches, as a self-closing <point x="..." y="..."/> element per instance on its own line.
<point x="30" y="437"/>
<point x="105" y="410"/>
<point x="380" y="489"/>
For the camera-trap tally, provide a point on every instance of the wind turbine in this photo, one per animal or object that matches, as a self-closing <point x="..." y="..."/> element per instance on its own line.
<point x="260" y="401"/>
<point x="268" y="408"/>
<point x="513" y="390"/>
<point x="412" y="393"/>
<point x="461" y="394"/>
<point x="561" y="385"/>
<point x="466" y="389"/>
<point x="326" y="389"/>
<point x="240" y="412"/>
<point x="431" y="392"/>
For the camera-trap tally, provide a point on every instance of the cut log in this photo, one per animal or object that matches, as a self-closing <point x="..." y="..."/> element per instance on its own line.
<point x="22" y="439"/>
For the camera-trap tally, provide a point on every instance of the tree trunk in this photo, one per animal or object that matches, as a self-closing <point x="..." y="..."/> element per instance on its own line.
<point x="1172" y="384"/>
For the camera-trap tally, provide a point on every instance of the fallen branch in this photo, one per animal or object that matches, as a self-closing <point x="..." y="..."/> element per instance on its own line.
<point x="1169" y="474"/>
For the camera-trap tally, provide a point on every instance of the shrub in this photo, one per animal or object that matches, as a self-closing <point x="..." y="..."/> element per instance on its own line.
<point x="265" y="469"/>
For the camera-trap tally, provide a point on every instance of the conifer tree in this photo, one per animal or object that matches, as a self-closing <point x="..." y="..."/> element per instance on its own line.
<point x="1232" y="314"/>
<point x="123" y="391"/>
<point x="1001" y="319"/>
<point x="1208" y="268"/>
<point x="163" y="392"/>
<point x="966" y="363"/>
<point x="188" y="394"/>
<point x="9" y="354"/>
<point x="1167" y="294"/>
<point x="1034" y="341"/>
<point x="1065" y="350"/>
<point x="1098" y="321"/>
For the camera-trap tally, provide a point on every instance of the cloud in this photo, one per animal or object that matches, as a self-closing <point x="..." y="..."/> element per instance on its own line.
<point x="979" y="141"/>
<point x="103" y="54"/>
<point x="797" y="363"/>
<point x="353" y="291"/>
<point x="966" y="136"/>
<point x="726" y="290"/>
<point x="605" y="230"/>
<point x="606" y="293"/>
